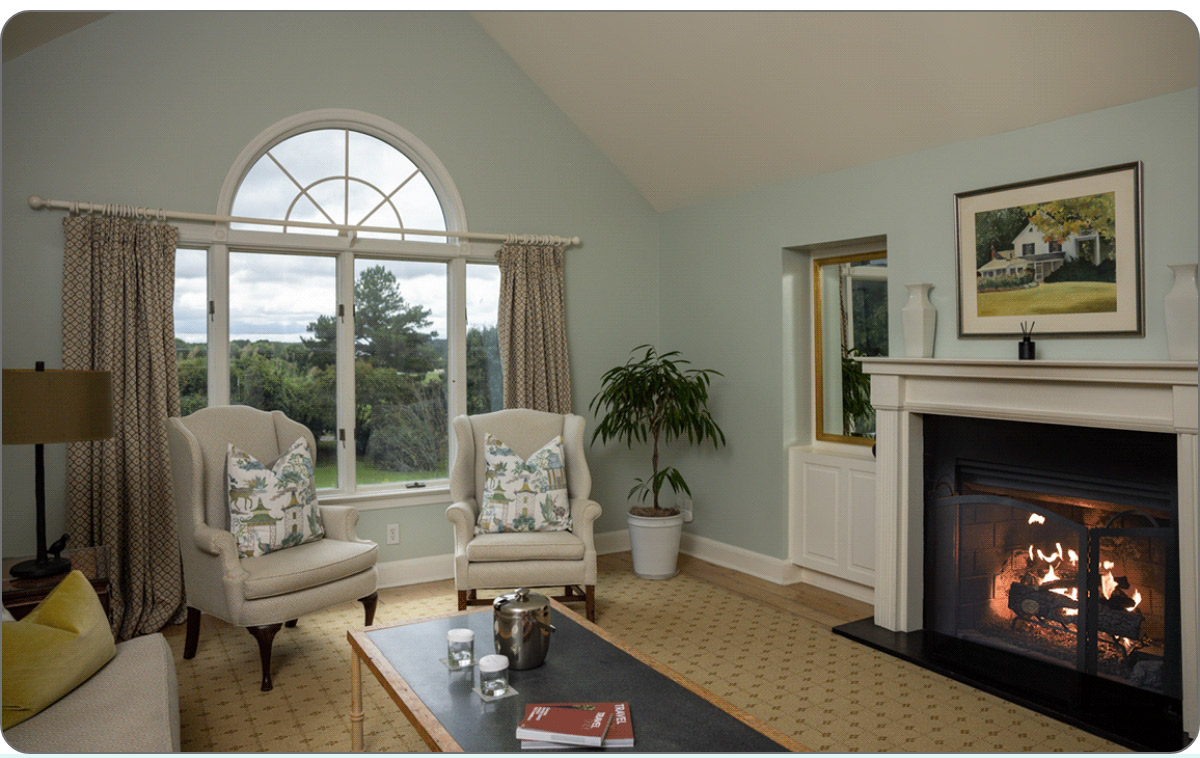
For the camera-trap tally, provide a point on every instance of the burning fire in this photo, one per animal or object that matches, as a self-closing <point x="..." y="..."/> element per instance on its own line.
<point x="1108" y="582"/>
<point x="1037" y="518"/>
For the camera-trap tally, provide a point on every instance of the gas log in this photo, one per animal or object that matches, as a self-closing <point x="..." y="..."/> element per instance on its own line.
<point x="1029" y="601"/>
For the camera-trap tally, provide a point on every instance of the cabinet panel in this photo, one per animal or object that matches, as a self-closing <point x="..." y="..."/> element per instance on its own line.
<point x="860" y="529"/>
<point x="832" y="514"/>
<point x="820" y="492"/>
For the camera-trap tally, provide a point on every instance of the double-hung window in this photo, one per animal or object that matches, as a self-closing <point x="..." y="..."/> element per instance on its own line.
<point x="370" y="335"/>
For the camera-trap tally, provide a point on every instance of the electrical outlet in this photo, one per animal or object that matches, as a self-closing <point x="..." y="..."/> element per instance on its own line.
<point x="393" y="534"/>
<point x="684" y="504"/>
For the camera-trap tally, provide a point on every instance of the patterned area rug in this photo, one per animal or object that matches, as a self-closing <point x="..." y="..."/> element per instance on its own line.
<point x="828" y="693"/>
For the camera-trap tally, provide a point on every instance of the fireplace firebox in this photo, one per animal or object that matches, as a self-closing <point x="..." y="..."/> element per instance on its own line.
<point x="1057" y="544"/>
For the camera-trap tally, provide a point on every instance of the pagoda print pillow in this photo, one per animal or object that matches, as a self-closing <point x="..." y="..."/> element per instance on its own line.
<point x="523" y="495"/>
<point x="272" y="508"/>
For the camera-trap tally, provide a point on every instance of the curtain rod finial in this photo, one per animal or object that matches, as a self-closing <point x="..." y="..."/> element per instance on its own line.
<point x="576" y="241"/>
<point x="37" y="202"/>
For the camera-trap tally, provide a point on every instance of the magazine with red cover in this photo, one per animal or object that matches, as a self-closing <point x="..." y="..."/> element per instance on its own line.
<point x="620" y="732"/>
<point x="580" y="724"/>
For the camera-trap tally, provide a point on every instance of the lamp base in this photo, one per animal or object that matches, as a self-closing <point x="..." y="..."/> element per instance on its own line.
<point x="34" y="569"/>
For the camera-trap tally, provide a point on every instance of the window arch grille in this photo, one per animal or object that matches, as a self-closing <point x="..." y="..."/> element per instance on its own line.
<point x="339" y="176"/>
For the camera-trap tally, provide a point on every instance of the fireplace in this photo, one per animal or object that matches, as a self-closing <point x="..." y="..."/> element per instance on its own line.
<point x="1079" y="645"/>
<point x="1055" y="543"/>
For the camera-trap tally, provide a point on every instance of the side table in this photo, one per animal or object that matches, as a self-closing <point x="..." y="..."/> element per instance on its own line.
<point x="20" y="596"/>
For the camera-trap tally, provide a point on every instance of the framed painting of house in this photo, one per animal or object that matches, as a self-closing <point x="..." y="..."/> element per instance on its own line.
<point x="1064" y="251"/>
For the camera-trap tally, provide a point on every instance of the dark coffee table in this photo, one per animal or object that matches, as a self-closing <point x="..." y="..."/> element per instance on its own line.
<point x="585" y="664"/>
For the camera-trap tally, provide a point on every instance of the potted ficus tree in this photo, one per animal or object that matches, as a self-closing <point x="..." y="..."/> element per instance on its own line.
<point x="655" y="398"/>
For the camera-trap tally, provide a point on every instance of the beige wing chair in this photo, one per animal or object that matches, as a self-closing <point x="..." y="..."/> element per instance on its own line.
<point x="264" y="592"/>
<point x="522" y="559"/>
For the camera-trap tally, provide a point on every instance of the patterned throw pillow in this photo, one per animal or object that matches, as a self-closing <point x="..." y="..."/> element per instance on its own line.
<point x="272" y="508"/>
<point x="523" y="495"/>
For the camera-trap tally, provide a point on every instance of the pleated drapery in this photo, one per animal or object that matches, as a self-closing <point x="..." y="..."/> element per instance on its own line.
<point x="118" y="292"/>
<point x="532" y="326"/>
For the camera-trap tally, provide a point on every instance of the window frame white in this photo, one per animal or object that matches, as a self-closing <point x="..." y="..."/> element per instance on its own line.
<point x="219" y="240"/>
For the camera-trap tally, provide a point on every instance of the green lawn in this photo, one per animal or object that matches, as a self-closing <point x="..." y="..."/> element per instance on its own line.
<point x="1056" y="297"/>
<point x="366" y="473"/>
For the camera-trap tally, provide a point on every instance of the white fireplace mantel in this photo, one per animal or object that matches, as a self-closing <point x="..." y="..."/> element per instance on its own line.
<point x="1145" y="396"/>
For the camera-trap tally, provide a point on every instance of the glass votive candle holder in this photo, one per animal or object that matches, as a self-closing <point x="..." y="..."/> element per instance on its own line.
<point x="460" y="648"/>
<point x="493" y="675"/>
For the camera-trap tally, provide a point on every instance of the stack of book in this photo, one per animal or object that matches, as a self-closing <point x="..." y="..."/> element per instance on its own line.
<point x="560" y="726"/>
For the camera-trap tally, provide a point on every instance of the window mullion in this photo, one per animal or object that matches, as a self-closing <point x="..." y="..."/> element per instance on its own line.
<point x="218" y="324"/>
<point x="345" y="372"/>
<point x="457" y="353"/>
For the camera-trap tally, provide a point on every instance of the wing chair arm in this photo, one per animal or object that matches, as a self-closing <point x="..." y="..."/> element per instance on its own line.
<point x="462" y="515"/>
<point x="220" y="543"/>
<point x="339" y="522"/>
<point x="583" y="516"/>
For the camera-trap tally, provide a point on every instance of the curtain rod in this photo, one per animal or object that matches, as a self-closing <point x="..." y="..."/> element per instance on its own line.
<point x="39" y="203"/>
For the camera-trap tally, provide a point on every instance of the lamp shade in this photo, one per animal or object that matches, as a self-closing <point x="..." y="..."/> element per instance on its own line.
<point x="43" y="407"/>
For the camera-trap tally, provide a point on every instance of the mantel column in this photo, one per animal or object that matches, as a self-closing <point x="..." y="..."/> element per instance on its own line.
<point x="899" y="508"/>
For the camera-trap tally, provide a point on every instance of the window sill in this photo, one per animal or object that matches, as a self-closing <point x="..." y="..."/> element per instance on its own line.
<point x="384" y="499"/>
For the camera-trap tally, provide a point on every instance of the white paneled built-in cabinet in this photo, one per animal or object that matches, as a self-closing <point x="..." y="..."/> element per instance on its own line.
<point x="832" y="508"/>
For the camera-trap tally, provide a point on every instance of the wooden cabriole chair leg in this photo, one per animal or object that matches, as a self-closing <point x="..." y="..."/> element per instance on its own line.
<point x="291" y="624"/>
<point x="462" y="600"/>
<point x="193" y="633"/>
<point x="590" y="591"/>
<point x="265" y="636"/>
<point x="369" y="603"/>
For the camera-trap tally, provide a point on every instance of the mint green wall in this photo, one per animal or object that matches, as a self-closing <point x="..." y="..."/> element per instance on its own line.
<point x="152" y="109"/>
<point x="721" y="271"/>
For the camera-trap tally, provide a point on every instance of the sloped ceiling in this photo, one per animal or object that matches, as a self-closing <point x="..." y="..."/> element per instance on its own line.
<point x="697" y="105"/>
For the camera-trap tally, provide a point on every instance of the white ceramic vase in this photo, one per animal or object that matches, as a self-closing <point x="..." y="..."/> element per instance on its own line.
<point x="920" y="319"/>
<point x="1179" y="306"/>
<point x="655" y="545"/>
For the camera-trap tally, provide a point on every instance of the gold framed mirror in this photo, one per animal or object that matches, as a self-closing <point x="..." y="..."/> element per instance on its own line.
<point x="850" y="320"/>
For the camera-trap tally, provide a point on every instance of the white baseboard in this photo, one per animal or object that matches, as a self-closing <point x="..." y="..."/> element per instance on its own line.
<point x="431" y="568"/>
<point x="839" y="585"/>
<point x="749" y="562"/>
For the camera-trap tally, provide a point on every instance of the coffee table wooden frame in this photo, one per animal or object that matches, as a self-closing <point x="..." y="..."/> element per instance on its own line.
<point x="363" y="650"/>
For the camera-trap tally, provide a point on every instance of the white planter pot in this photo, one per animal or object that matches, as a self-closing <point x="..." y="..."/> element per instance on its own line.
<point x="1179" y="306"/>
<point x="655" y="545"/>
<point x="920" y="319"/>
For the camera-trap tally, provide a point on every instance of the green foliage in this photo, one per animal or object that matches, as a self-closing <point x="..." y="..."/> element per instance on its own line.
<point x="1059" y="219"/>
<point x="870" y="317"/>
<point x="385" y="327"/>
<point x="400" y="384"/>
<point x="485" y="383"/>
<point x="1004" y="282"/>
<point x="857" y="412"/>
<point x="995" y="230"/>
<point x="1084" y="271"/>
<point x="653" y="397"/>
<point x="411" y="436"/>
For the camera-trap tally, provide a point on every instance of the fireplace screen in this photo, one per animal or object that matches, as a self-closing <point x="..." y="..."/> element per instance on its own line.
<point x="1075" y="582"/>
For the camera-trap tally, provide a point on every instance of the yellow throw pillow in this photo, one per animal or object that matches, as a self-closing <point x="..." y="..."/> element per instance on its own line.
<point x="53" y="650"/>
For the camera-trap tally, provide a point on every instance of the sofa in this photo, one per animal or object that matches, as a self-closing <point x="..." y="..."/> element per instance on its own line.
<point x="131" y="705"/>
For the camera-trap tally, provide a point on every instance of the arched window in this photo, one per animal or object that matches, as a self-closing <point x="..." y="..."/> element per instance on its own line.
<point x="370" y="337"/>
<point x="339" y="176"/>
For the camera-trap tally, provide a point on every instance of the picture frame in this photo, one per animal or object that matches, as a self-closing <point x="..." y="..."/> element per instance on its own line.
<point x="1063" y="251"/>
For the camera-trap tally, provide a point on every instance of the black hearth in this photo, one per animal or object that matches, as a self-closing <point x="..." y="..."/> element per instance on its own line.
<point x="1051" y="573"/>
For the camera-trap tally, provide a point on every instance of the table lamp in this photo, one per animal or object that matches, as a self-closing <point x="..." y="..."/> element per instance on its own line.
<point x="43" y="407"/>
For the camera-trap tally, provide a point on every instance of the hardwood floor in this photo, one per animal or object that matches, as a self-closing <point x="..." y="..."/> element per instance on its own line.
<point x="819" y="606"/>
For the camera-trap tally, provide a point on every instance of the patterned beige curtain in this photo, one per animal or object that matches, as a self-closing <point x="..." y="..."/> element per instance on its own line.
<point x="533" y="328"/>
<point x="118" y="292"/>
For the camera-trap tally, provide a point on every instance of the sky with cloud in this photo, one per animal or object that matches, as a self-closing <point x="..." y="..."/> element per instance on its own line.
<point x="326" y="175"/>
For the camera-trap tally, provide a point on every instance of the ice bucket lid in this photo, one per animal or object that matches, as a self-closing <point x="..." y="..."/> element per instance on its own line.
<point x="520" y="602"/>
